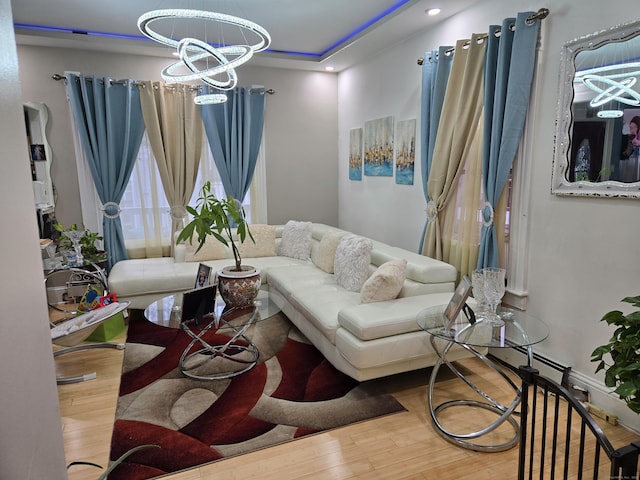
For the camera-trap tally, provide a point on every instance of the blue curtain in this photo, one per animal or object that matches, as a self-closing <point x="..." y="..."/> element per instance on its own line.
<point x="435" y="74"/>
<point x="109" y="121"/>
<point x="234" y="131"/>
<point x="509" y="69"/>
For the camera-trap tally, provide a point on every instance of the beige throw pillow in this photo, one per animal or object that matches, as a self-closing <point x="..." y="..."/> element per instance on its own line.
<point x="211" y="250"/>
<point x="325" y="254"/>
<point x="385" y="283"/>
<point x="351" y="264"/>
<point x="296" y="240"/>
<point x="265" y="238"/>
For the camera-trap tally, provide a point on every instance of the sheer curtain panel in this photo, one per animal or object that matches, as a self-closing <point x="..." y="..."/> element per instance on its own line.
<point x="109" y="122"/>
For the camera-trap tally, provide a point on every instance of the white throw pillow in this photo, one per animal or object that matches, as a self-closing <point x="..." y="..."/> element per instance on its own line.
<point x="265" y="242"/>
<point x="296" y="240"/>
<point x="211" y="250"/>
<point x="325" y="254"/>
<point x="351" y="264"/>
<point x="385" y="283"/>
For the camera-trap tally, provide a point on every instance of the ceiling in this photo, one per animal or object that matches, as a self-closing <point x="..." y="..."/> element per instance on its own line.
<point x="306" y="34"/>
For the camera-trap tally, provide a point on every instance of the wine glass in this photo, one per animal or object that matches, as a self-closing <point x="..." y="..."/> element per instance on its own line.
<point x="477" y="284"/>
<point x="494" y="288"/>
<point x="75" y="236"/>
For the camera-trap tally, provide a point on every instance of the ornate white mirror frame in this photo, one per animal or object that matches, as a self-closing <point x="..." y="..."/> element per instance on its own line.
<point x="599" y="92"/>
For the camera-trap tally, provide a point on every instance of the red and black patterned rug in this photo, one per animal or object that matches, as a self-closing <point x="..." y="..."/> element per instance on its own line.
<point x="292" y="392"/>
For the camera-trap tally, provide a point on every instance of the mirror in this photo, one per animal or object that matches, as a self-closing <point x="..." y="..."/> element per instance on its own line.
<point x="597" y="144"/>
<point x="36" y="118"/>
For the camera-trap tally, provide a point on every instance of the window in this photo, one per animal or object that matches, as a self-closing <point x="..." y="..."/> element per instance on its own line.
<point x="145" y="211"/>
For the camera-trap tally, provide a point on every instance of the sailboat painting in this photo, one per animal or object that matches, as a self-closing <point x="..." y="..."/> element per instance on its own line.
<point x="405" y="151"/>
<point x="378" y="147"/>
<point x="355" y="154"/>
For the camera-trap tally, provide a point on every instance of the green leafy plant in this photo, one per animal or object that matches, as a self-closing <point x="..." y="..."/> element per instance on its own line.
<point x="213" y="216"/>
<point x="88" y="240"/>
<point x="113" y="465"/>
<point x="624" y="350"/>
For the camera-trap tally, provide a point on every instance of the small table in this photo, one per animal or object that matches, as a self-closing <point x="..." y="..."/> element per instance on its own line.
<point x="519" y="330"/>
<point x="233" y="323"/>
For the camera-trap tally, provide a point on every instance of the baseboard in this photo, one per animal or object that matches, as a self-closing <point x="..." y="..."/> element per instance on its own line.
<point x="599" y="395"/>
<point x="602" y="397"/>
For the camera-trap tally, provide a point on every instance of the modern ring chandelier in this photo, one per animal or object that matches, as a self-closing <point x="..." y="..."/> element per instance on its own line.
<point x="612" y="83"/>
<point x="192" y="50"/>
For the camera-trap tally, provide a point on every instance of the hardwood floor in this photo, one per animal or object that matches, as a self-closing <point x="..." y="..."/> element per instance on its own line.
<point x="398" y="446"/>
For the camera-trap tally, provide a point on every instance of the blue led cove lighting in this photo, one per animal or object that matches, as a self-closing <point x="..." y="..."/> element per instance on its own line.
<point x="362" y="28"/>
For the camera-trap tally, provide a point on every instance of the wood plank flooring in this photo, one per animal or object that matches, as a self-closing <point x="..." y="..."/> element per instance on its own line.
<point x="398" y="446"/>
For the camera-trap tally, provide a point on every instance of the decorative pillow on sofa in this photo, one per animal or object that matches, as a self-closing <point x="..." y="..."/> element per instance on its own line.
<point x="211" y="250"/>
<point x="385" y="283"/>
<point x="351" y="264"/>
<point x="265" y="238"/>
<point x="296" y="240"/>
<point x="325" y="254"/>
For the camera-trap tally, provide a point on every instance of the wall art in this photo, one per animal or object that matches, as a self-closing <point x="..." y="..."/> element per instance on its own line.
<point x="378" y="147"/>
<point x="405" y="151"/>
<point x="355" y="154"/>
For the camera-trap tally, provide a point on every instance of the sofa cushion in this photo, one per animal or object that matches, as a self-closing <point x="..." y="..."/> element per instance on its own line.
<point x="369" y="321"/>
<point x="211" y="250"/>
<point x="265" y="242"/>
<point x="324" y="256"/>
<point x="385" y="283"/>
<point x="296" y="240"/>
<point x="351" y="264"/>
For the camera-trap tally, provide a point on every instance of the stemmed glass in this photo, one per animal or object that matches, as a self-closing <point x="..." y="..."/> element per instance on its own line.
<point x="477" y="284"/>
<point x="75" y="236"/>
<point x="494" y="288"/>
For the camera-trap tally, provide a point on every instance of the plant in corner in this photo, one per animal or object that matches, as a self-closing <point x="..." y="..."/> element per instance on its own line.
<point x="624" y="349"/>
<point x="239" y="284"/>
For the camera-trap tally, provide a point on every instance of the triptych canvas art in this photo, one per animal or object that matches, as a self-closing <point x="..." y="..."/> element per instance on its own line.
<point x="372" y="150"/>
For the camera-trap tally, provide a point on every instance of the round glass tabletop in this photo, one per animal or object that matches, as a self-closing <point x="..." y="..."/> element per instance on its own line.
<point x="519" y="330"/>
<point x="167" y="311"/>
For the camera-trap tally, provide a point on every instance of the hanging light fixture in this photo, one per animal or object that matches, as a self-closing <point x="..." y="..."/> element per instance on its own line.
<point x="612" y="82"/>
<point x="192" y="50"/>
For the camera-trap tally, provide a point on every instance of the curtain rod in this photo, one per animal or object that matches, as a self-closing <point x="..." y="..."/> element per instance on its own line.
<point x="541" y="14"/>
<point x="57" y="77"/>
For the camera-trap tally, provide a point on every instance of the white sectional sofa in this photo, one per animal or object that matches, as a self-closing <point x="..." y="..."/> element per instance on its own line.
<point x="363" y="340"/>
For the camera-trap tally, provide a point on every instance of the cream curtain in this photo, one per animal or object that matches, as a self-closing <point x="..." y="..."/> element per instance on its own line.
<point x="175" y="130"/>
<point x="457" y="151"/>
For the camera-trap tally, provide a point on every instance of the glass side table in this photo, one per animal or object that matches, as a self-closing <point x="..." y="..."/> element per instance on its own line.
<point x="519" y="330"/>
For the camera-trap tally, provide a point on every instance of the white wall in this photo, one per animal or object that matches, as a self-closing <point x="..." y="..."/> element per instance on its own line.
<point x="31" y="442"/>
<point x="584" y="256"/>
<point x="301" y="128"/>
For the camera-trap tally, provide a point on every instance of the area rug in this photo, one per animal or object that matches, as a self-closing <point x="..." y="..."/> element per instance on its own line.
<point x="292" y="392"/>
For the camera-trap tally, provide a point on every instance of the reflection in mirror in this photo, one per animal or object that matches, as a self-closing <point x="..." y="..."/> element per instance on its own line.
<point x="597" y="150"/>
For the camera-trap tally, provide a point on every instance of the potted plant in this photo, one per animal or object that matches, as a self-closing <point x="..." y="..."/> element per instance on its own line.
<point x="624" y="349"/>
<point x="238" y="284"/>
<point x="86" y="239"/>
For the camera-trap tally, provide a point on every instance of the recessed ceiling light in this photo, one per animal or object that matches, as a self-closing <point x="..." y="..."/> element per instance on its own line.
<point x="329" y="69"/>
<point x="432" y="11"/>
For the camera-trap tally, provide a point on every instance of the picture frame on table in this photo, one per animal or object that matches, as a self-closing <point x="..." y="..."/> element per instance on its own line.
<point x="457" y="302"/>
<point x="203" y="278"/>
